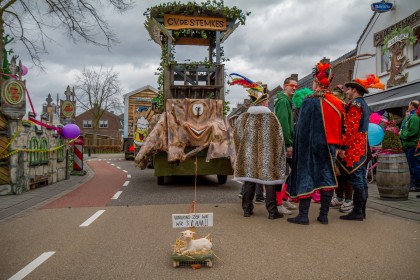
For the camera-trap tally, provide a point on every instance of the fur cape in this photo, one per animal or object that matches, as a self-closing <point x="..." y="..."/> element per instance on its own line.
<point x="260" y="150"/>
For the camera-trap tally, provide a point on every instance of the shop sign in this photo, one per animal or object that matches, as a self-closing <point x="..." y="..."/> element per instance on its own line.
<point x="67" y="109"/>
<point x="381" y="7"/>
<point x="396" y="39"/>
<point x="176" y="22"/>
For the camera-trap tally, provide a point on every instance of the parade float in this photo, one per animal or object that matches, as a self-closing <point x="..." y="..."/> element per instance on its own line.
<point x="192" y="135"/>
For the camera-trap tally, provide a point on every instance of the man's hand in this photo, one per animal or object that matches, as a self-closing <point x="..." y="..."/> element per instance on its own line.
<point x="289" y="152"/>
<point x="342" y="153"/>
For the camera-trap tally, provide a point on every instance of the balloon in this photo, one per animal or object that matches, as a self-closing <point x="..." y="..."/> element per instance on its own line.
<point x="375" y="134"/>
<point x="24" y="70"/>
<point x="70" y="131"/>
<point x="375" y="118"/>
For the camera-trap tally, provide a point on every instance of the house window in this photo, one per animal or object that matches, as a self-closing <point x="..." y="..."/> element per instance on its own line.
<point x="60" y="151"/>
<point x="33" y="156"/>
<point x="87" y="123"/>
<point x="416" y="46"/>
<point x="384" y="61"/>
<point x="43" y="156"/>
<point x="103" y="123"/>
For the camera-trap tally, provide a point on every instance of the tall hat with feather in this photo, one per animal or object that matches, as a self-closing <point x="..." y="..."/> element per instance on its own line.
<point x="257" y="91"/>
<point x="362" y="86"/>
<point x="322" y="73"/>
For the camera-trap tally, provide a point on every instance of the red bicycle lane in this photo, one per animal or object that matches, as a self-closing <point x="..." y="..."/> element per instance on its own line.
<point x="97" y="191"/>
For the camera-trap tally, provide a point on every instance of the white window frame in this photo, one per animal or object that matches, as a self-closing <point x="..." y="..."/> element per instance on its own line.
<point x="379" y="62"/>
<point x="410" y="52"/>
<point x="87" y="123"/>
<point x="103" y="123"/>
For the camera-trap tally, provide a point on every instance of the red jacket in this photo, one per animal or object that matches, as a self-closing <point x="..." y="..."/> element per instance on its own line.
<point x="332" y="108"/>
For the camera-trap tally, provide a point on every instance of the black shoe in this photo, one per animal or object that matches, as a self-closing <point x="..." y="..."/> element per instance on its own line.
<point x="323" y="220"/>
<point x="299" y="220"/>
<point x="275" y="216"/>
<point x="259" y="200"/>
<point x="352" y="216"/>
<point x="248" y="213"/>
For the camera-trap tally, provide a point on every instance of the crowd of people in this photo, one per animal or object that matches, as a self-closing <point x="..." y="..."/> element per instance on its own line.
<point x="315" y="149"/>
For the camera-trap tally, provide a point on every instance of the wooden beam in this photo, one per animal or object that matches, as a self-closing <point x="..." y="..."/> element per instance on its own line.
<point x="192" y="41"/>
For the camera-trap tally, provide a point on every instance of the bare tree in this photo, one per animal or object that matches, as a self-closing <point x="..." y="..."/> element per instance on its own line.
<point x="27" y="21"/>
<point x="97" y="91"/>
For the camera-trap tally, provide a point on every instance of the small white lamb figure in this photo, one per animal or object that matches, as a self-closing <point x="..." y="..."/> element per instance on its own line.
<point x="202" y="244"/>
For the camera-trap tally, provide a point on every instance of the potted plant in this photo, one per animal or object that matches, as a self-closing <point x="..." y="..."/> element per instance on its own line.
<point x="392" y="173"/>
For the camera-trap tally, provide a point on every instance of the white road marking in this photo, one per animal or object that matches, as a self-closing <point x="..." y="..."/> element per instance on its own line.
<point x="118" y="167"/>
<point x="92" y="218"/>
<point x="125" y="171"/>
<point x="112" y="164"/>
<point x="128" y="175"/>
<point x="126" y="183"/>
<point x="31" y="267"/>
<point x="117" y="195"/>
<point x="107" y="162"/>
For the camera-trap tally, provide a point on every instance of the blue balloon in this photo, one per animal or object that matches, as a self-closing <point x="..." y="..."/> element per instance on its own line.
<point x="375" y="134"/>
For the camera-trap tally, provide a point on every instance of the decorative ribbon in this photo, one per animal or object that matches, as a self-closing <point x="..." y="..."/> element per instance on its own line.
<point x="38" y="150"/>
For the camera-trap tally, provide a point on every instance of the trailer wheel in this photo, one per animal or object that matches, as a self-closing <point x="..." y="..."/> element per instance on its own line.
<point x="221" y="178"/>
<point x="160" y="180"/>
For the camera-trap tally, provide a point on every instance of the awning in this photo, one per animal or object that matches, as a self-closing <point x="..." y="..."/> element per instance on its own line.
<point x="394" y="97"/>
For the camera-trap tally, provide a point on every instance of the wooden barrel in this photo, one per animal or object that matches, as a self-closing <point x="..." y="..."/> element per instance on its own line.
<point x="393" y="177"/>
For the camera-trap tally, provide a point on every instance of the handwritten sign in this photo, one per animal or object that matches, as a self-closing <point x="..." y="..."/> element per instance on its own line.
<point x="176" y="22"/>
<point x="192" y="220"/>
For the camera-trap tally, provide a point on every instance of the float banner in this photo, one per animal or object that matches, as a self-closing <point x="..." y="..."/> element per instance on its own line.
<point x="192" y="220"/>
<point x="176" y="22"/>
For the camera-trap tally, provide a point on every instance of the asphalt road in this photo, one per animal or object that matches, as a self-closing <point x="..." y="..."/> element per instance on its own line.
<point x="132" y="238"/>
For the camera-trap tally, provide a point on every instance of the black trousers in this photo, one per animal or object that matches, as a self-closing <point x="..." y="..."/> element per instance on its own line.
<point x="249" y="193"/>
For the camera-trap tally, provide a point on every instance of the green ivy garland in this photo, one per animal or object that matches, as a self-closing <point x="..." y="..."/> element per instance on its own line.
<point x="209" y="8"/>
<point x="407" y="30"/>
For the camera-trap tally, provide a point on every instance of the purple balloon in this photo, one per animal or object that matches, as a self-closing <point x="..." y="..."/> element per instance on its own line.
<point x="24" y="70"/>
<point x="71" y="131"/>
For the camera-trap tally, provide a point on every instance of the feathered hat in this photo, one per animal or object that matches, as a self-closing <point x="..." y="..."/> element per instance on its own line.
<point x="371" y="81"/>
<point x="256" y="90"/>
<point x="322" y="72"/>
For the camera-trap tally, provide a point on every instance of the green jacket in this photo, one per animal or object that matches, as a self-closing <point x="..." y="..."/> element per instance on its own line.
<point x="284" y="113"/>
<point x="410" y="134"/>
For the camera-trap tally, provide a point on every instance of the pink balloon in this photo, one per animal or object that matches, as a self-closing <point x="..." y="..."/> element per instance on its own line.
<point x="70" y="131"/>
<point x="24" y="70"/>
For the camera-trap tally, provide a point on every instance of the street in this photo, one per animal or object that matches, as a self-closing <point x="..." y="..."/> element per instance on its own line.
<point x="133" y="237"/>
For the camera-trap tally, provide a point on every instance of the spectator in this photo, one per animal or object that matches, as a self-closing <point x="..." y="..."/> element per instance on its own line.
<point x="283" y="108"/>
<point x="410" y="135"/>
<point x="344" y="192"/>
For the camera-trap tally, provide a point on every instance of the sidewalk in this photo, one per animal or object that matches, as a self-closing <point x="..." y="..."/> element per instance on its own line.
<point x="13" y="205"/>
<point x="409" y="209"/>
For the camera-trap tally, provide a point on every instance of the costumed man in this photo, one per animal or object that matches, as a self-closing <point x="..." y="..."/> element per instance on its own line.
<point x="318" y="132"/>
<point x="260" y="150"/>
<point x="354" y="151"/>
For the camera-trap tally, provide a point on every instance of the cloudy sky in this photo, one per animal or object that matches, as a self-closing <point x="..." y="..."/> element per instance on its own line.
<point x="280" y="37"/>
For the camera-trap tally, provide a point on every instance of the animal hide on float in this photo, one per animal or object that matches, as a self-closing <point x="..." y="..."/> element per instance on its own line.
<point x="260" y="151"/>
<point x="194" y="123"/>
